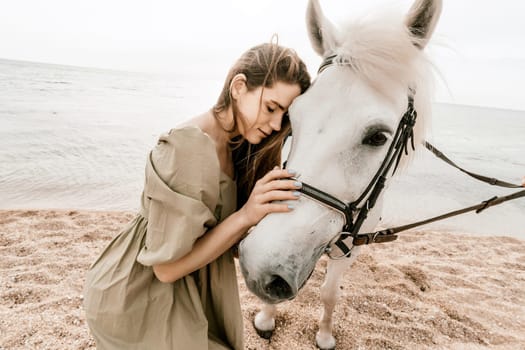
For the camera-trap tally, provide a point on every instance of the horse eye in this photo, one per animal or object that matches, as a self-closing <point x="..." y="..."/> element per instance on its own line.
<point x="376" y="139"/>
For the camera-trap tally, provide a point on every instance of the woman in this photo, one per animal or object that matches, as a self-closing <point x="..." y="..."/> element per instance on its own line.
<point x="168" y="280"/>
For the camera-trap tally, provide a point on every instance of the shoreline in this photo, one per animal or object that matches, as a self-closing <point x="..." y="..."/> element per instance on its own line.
<point x="430" y="290"/>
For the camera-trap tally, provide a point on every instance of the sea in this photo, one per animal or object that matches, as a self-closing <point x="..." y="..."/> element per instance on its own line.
<point x="77" y="138"/>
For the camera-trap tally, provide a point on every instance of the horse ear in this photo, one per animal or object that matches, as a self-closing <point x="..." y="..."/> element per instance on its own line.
<point x="422" y="19"/>
<point x="321" y="31"/>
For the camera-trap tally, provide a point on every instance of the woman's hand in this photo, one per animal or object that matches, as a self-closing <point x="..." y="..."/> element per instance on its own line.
<point x="274" y="186"/>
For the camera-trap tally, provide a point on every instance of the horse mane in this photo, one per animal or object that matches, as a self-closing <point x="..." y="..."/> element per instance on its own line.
<point x="381" y="50"/>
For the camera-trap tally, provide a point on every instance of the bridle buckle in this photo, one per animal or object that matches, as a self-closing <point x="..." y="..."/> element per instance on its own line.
<point x="338" y="249"/>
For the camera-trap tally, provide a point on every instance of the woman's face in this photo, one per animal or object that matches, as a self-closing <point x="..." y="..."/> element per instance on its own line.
<point x="260" y="112"/>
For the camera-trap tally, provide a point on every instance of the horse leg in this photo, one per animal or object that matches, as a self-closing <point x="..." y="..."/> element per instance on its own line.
<point x="264" y="322"/>
<point x="329" y="294"/>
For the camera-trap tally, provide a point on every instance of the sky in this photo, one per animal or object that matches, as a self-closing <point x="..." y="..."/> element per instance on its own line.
<point x="478" y="46"/>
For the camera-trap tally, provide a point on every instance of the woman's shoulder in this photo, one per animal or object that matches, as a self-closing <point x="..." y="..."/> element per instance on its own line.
<point x="188" y="141"/>
<point x="187" y="135"/>
<point x="187" y="152"/>
<point x="195" y="128"/>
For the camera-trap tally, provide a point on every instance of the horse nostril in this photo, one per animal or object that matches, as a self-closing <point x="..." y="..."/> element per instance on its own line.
<point x="278" y="288"/>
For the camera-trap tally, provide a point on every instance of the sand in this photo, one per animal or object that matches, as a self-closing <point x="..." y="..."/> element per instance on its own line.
<point x="427" y="290"/>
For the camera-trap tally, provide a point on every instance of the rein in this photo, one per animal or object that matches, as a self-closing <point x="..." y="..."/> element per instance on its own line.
<point x="398" y="147"/>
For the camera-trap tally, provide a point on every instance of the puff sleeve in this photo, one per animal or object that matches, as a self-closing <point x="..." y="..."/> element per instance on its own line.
<point x="181" y="193"/>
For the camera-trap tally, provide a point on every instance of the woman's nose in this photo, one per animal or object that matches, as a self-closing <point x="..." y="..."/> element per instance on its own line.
<point x="275" y="122"/>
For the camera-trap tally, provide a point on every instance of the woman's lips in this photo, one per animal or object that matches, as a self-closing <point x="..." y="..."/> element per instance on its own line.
<point x="265" y="134"/>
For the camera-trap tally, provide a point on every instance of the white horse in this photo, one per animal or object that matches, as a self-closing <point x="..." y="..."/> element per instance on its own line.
<point x="342" y="129"/>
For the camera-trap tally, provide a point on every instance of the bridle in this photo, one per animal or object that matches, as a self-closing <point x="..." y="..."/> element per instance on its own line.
<point x="355" y="215"/>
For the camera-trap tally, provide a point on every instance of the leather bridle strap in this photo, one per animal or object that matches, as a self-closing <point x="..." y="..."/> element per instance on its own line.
<point x="328" y="61"/>
<point x="383" y="235"/>
<point x="328" y="200"/>
<point x="399" y="143"/>
<point x="399" y="146"/>
<point x="486" y="179"/>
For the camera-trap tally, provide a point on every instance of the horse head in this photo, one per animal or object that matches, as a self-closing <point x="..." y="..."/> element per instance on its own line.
<point x="342" y="127"/>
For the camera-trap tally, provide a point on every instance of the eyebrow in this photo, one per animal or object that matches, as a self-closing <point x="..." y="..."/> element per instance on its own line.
<point x="278" y="104"/>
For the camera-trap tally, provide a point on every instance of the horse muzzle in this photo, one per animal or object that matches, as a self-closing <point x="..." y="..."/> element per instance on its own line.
<point x="272" y="288"/>
<point x="272" y="275"/>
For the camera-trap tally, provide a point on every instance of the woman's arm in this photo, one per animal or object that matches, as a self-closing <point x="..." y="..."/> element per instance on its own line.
<point x="206" y="249"/>
<point x="223" y="236"/>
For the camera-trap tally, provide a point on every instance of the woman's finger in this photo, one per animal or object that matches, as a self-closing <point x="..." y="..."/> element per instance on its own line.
<point x="278" y="196"/>
<point x="281" y="185"/>
<point x="278" y="208"/>
<point x="277" y="174"/>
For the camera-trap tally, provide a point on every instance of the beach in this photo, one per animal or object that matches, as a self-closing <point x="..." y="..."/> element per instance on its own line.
<point x="427" y="290"/>
<point x="76" y="137"/>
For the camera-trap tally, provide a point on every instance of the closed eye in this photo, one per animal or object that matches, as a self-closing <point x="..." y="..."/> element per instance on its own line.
<point x="270" y="109"/>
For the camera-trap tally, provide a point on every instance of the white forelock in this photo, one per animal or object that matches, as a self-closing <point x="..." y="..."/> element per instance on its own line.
<point x="381" y="51"/>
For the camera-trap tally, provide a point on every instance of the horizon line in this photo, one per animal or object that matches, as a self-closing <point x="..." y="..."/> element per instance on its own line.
<point x="154" y="73"/>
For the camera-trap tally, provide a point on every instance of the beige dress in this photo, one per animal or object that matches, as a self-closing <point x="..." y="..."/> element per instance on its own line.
<point x="127" y="307"/>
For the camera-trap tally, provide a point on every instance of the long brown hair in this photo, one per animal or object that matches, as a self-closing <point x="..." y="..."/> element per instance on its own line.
<point x="263" y="65"/>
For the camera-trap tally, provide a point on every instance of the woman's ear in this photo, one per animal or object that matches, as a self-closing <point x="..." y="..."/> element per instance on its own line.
<point x="238" y="86"/>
